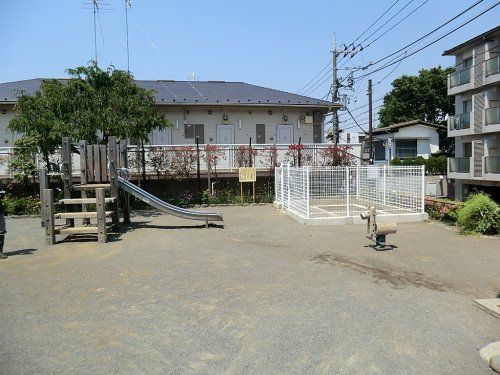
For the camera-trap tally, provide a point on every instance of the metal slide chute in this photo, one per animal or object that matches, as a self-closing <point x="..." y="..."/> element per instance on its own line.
<point x="166" y="207"/>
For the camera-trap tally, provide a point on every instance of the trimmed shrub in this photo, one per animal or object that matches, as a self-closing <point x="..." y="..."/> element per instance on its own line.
<point x="479" y="215"/>
<point x="433" y="165"/>
<point x="396" y="161"/>
<point x="445" y="211"/>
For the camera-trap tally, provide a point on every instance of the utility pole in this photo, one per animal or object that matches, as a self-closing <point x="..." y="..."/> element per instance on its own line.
<point x="335" y="92"/>
<point x="370" y="119"/>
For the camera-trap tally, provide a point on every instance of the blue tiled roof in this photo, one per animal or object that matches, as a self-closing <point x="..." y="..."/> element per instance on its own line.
<point x="187" y="92"/>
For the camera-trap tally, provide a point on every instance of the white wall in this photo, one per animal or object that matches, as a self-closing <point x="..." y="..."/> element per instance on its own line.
<point x="427" y="140"/>
<point x="7" y="138"/>
<point x="248" y="117"/>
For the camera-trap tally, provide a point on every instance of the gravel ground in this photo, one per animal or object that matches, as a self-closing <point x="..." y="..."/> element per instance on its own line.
<point x="264" y="295"/>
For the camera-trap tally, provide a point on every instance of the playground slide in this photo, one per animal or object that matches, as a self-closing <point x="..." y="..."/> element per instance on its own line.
<point x="166" y="207"/>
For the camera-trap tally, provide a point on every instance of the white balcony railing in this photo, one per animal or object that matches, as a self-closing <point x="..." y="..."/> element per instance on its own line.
<point x="229" y="157"/>
<point x="459" y="165"/>
<point x="492" y="66"/>
<point x="492" y="164"/>
<point x="492" y="116"/>
<point x="460" y="78"/>
<point x="459" y="122"/>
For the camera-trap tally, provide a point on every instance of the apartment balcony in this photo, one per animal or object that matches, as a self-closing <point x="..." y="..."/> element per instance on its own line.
<point x="492" y="168"/>
<point x="460" y="125"/>
<point x="491" y="120"/>
<point x="459" y="168"/>
<point x="460" y="81"/>
<point x="492" y="71"/>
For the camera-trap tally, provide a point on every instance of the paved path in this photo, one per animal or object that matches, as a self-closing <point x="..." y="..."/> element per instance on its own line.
<point x="265" y="295"/>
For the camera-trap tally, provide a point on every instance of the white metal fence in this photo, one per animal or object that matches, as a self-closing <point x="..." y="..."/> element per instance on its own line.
<point x="160" y="159"/>
<point x="328" y="192"/>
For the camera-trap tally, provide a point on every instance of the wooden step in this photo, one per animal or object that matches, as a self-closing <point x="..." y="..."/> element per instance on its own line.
<point x="84" y="200"/>
<point x="80" y="230"/>
<point x="91" y="186"/>
<point x="80" y="215"/>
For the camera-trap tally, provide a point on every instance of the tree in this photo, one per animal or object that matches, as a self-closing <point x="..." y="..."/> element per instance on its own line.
<point x="92" y="105"/>
<point x="423" y="97"/>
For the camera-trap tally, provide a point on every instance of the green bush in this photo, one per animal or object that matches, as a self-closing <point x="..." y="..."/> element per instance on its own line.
<point x="396" y="161"/>
<point x="436" y="165"/>
<point x="479" y="215"/>
<point x="433" y="165"/>
<point x="21" y="206"/>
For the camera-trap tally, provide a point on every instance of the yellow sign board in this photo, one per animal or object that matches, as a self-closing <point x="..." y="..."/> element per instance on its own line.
<point x="247" y="174"/>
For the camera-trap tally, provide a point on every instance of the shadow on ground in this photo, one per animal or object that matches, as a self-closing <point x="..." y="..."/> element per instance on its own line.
<point x="21" y="252"/>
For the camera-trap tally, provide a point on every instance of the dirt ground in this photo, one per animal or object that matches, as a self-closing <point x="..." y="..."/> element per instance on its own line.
<point x="263" y="295"/>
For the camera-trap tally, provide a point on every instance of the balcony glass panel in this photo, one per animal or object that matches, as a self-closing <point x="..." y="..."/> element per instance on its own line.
<point x="460" y="122"/>
<point x="493" y="66"/>
<point x="460" y="78"/>
<point x="492" y="164"/>
<point x="493" y="115"/>
<point x="460" y="165"/>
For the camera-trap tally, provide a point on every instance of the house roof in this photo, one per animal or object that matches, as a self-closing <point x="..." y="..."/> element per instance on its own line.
<point x="191" y="93"/>
<point x="477" y="40"/>
<point x="395" y="127"/>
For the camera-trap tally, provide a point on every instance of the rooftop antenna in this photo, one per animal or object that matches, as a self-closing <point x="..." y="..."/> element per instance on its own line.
<point x="96" y="8"/>
<point x="128" y="4"/>
<point x="193" y="77"/>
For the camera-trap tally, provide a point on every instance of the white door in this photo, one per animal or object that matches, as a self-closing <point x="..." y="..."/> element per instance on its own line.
<point x="162" y="137"/>
<point x="225" y="136"/>
<point x="284" y="134"/>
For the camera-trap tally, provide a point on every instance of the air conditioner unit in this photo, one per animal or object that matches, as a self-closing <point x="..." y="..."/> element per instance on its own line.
<point x="308" y="120"/>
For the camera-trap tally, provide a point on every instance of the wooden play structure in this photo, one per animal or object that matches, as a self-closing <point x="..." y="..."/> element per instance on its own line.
<point x="90" y="207"/>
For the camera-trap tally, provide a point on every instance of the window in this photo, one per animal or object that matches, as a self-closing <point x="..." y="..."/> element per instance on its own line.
<point x="467" y="149"/>
<point x="379" y="150"/>
<point x="317" y="117"/>
<point x="260" y="130"/>
<point x="317" y="130"/>
<point x="466" y="63"/>
<point x="406" y="148"/>
<point x="195" y="131"/>
<point x="467" y="106"/>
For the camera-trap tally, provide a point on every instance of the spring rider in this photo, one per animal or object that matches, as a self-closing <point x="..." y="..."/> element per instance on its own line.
<point x="378" y="232"/>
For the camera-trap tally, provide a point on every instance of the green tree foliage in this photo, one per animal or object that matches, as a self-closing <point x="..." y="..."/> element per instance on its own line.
<point x="479" y="215"/>
<point x="92" y="105"/>
<point x="421" y="97"/>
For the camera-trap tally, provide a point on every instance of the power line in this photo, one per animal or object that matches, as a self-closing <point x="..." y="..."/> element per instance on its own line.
<point x="386" y="22"/>
<point x="322" y="80"/>
<point x="398" y="60"/>
<point x="396" y="24"/>
<point x="412" y="93"/>
<point x="430" y="32"/>
<point x="373" y="23"/>
<point x="431" y="43"/>
<point x="453" y="66"/>
<point x="351" y="44"/>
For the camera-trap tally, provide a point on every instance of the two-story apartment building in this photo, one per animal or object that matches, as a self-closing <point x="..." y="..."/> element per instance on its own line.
<point x="476" y="124"/>
<point x="214" y="112"/>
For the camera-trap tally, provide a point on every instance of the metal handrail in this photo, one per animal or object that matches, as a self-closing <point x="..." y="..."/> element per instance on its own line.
<point x="460" y="78"/>
<point x="492" y="115"/>
<point x="492" y="66"/>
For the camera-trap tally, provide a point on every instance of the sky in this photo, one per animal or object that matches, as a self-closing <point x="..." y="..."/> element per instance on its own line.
<point x="280" y="44"/>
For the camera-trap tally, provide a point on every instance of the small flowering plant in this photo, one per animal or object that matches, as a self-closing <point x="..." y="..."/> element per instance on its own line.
<point x="294" y="153"/>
